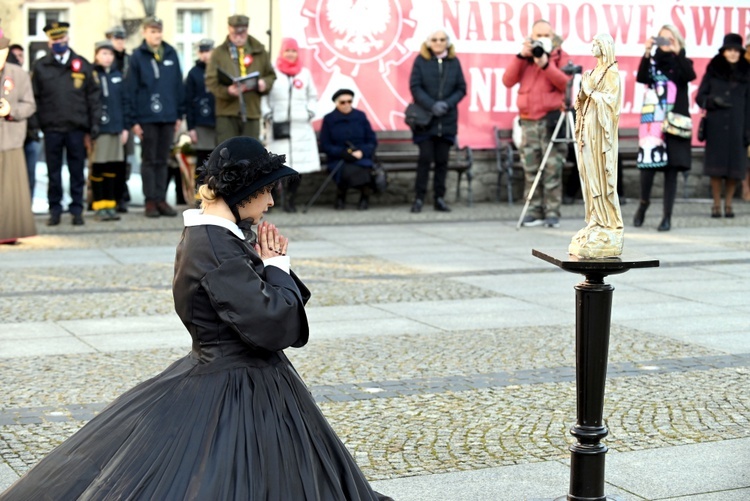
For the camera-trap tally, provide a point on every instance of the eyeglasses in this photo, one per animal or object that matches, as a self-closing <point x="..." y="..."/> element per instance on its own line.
<point x="437" y="40"/>
<point x="348" y="101"/>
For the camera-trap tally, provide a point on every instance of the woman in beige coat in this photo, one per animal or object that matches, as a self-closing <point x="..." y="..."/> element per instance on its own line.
<point x="16" y="105"/>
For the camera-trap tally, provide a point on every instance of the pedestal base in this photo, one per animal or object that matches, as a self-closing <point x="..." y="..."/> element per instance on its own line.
<point x="593" y="314"/>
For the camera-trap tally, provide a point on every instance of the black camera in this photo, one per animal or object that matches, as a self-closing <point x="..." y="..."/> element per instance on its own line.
<point x="541" y="47"/>
<point x="572" y="69"/>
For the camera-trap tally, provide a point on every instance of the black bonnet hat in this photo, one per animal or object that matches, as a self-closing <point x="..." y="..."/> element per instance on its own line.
<point x="732" y="41"/>
<point x="240" y="167"/>
<point x="342" y="92"/>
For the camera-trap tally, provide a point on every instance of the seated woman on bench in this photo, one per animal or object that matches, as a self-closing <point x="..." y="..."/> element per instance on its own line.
<point x="349" y="142"/>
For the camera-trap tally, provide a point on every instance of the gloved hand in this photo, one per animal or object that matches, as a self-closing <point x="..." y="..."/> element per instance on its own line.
<point x="721" y="103"/>
<point x="94" y="132"/>
<point x="440" y="108"/>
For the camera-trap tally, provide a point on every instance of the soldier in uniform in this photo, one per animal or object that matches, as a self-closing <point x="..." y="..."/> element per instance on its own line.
<point x="155" y="90"/>
<point x="200" y="110"/>
<point x="69" y="110"/>
<point x="239" y="55"/>
<point x="117" y="36"/>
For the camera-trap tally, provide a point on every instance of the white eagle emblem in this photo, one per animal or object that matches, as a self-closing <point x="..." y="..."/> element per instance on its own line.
<point x="358" y="21"/>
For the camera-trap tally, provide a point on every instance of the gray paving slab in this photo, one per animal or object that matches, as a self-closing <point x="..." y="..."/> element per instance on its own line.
<point x="126" y="341"/>
<point x="682" y="471"/>
<point x="533" y="481"/>
<point x="130" y="324"/>
<point x="7" y="476"/>
<point x="135" y="255"/>
<point x="369" y="327"/>
<point x="71" y="257"/>
<point x="31" y="330"/>
<point x="725" y="495"/>
<point x="44" y="346"/>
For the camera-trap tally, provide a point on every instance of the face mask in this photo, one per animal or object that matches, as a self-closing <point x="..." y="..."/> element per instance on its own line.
<point x="59" y="47"/>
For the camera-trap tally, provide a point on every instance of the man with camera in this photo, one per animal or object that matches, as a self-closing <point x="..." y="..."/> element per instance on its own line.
<point x="537" y="68"/>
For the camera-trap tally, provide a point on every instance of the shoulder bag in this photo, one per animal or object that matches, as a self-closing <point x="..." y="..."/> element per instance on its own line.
<point x="678" y="125"/>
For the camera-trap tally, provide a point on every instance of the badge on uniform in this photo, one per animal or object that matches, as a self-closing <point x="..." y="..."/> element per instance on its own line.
<point x="155" y="103"/>
<point x="205" y="109"/>
<point x="77" y="76"/>
<point x="105" y="115"/>
<point x="247" y="60"/>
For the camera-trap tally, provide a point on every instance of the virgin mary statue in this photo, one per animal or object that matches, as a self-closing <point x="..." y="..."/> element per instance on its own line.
<point x="597" y="117"/>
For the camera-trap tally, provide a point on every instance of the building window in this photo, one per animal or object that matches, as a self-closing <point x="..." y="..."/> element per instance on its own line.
<point x="192" y="26"/>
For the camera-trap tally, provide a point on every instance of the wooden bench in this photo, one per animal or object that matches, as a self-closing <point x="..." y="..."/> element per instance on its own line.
<point x="397" y="153"/>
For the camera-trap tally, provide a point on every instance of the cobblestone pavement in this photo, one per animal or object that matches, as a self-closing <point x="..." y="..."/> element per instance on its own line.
<point x="439" y="399"/>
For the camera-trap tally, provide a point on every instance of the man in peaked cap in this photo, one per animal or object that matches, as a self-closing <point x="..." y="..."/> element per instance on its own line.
<point x="117" y="36"/>
<point x="69" y="111"/>
<point x="239" y="55"/>
<point x="154" y="85"/>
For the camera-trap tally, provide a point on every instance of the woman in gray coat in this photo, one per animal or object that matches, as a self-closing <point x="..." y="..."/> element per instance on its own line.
<point x="725" y="95"/>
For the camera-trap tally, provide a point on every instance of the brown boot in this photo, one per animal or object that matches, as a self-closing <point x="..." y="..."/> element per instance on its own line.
<point x="151" y="210"/>
<point x="165" y="209"/>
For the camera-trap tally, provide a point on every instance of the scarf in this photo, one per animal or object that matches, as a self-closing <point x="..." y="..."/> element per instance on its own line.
<point x="285" y="66"/>
<point x="657" y="102"/>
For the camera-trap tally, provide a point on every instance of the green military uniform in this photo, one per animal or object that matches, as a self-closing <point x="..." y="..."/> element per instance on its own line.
<point x="228" y="121"/>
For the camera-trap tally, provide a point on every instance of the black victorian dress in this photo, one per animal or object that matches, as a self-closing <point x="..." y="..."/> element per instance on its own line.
<point x="230" y="421"/>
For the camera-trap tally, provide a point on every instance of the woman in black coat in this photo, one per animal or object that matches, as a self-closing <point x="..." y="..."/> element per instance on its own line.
<point x="674" y="70"/>
<point x="725" y="95"/>
<point x="437" y="84"/>
<point x="349" y="143"/>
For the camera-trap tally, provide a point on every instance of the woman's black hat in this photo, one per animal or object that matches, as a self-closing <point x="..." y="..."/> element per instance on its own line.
<point x="342" y="92"/>
<point x="240" y="167"/>
<point x="732" y="41"/>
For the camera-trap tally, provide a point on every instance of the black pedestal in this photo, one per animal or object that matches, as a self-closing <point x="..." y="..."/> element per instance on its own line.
<point x="593" y="313"/>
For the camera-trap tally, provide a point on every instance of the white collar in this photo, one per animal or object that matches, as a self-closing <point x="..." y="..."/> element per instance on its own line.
<point x="196" y="217"/>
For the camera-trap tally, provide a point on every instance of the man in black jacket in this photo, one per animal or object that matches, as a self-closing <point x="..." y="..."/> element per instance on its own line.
<point x="154" y="85"/>
<point x="69" y="110"/>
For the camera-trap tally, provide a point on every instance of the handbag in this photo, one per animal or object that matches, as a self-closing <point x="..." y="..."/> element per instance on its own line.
<point x="417" y="117"/>
<point x="702" y="129"/>
<point x="678" y="125"/>
<point x="281" y="130"/>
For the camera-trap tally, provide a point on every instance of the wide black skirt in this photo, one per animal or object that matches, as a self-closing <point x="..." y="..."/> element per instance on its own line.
<point x="231" y="429"/>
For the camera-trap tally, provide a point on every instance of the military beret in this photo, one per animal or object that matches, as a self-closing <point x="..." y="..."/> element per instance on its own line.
<point x="103" y="44"/>
<point x="205" y="45"/>
<point x="238" y="21"/>
<point x="56" y="30"/>
<point x="152" y="22"/>
<point x="116" y="32"/>
<point x="342" y="92"/>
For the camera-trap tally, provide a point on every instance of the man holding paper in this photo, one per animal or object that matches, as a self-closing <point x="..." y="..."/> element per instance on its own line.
<point x="238" y="73"/>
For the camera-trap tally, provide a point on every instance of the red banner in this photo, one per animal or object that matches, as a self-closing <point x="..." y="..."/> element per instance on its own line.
<point x="369" y="46"/>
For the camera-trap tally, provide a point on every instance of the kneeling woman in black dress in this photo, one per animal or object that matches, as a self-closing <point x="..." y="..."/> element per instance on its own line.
<point x="232" y="420"/>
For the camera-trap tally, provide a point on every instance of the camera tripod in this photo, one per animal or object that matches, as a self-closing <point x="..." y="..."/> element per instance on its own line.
<point x="568" y="118"/>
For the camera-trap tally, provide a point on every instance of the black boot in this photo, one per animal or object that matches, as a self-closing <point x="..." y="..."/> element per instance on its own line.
<point x="364" y="199"/>
<point x="666" y="223"/>
<point x="640" y="214"/>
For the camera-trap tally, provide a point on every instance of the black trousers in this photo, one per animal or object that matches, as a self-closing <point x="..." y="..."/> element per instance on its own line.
<point x="433" y="150"/>
<point x="75" y="152"/>
<point x="670" y="187"/>
<point x="155" y="147"/>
